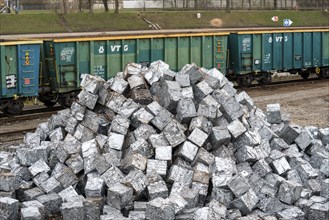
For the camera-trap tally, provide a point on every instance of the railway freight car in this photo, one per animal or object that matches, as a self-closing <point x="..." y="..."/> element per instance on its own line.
<point x="19" y="74"/>
<point x="254" y="55"/>
<point x="64" y="60"/>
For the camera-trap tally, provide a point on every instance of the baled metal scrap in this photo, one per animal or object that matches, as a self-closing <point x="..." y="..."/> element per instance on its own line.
<point x="151" y="143"/>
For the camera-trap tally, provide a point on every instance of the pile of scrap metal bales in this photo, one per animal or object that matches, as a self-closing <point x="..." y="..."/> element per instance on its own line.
<point x="151" y="143"/>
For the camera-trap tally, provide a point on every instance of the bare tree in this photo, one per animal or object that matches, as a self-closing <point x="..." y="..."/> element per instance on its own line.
<point x="64" y="7"/>
<point x="275" y="4"/>
<point x="80" y="5"/>
<point x="249" y="2"/>
<point x="142" y="4"/>
<point x="106" y="7"/>
<point x="228" y="6"/>
<point x="90" y="5"/>
<point x="116" y="3"/>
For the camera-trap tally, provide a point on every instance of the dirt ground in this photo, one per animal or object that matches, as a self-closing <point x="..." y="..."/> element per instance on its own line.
<point x="307" y="104"/>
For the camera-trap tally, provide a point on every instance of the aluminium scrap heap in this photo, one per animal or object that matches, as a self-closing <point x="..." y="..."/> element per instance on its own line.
<point x="151" y="143"/>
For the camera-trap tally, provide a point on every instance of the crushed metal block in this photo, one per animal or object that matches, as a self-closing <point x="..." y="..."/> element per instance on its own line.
<point x="198" y="137"/>
<point x="180" y="174"/>
<point x="119" y="195"/>
<point x="134" y="161"/>
<point x="137" y="180"/>
<point x="273" y="113"/>
<point x="289" y="192"/>
<point x="95" y="186"/>
<point x="161" y="209"/>
<point x="87" y="99"/>
<point x="238" y="185"/>
<point x="9" y="208"/>
<point x="187" y="150"/>
<point x="201" y="173"/>
<point x="72" y="211"/>
<point x="52" y="203"/>
<point x="157" y="189"/>
<point x="247" y="202"/>
<point x="112" y="176"/>
<point x="159" y="166"/>
<point x="185" y="110"/>
<point x="136" y="81"/>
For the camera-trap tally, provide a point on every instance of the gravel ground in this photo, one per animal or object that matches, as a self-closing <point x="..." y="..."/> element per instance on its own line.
<point x="307" y="104"/>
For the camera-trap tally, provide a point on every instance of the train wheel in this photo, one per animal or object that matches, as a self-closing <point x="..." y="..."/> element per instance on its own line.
<point x="324" y="73"/>
<point x="66" y="100"/>
<point x="305" y="74"/>
<point x="15" y="107"/>
<point x="266" y="79"/>
<point x="49" y="100"/>
<point x="245" y="81"/>
<point x="49" y="103"/>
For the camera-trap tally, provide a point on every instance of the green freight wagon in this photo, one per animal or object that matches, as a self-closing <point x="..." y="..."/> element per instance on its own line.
<point x="66" y="59"/>
<point x="19" y="74"/>
<point x="254" y="55"/>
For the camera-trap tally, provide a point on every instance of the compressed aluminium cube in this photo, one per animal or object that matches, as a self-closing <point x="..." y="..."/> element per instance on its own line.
<point x="273" y="113"/>
<point x="161" y="209"/>
<point x="247" y="202"/>
<point x="119" y="195"/>
<point x="198" y="137"/>
<point x="95" y="186"/>
<point x="187" y="150"/>
<point x="9" y="208"/>
<point x="201" y="173"/>
<point x="72" y="211"/>
<point x="137" y="180"/>
<point x="159" y="166"/>
<point x="157" y="189"/>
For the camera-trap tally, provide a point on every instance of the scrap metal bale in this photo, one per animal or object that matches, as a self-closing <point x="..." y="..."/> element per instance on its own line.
<point x="183" y="79"/>
<point x="72" y="211"/>
<point x="174" y="133"/>
<point x="93" y="207"/>
<point x="238" y="185"/>
<point x="219" y="136"/>
<point x="112" y="176"/>
<point x="273" y="113"/>
<point x="157" y="189"/>
<point x="95" y="186"/>
<point x="87" y="99"/>
<point x="185" y="110"/>
<point x="187" y="150"/>
<point x="198" y="137"/>
<point x="180" y="174"/>
<point x="9" y="208"/>
<point x="159" y="166"/>
<point x="201" y="173"/>
<point x="170" y="95"/>
<point x="136" y="81"/>
<point x="159" y="208"/>
<point x="137" y="180"/>
<point x="134" y="161"/>
<point x="119" y="195"/>
<point x="289" y="192"/>
<point x="52" y="203"/>
<point x="247" y="202"/>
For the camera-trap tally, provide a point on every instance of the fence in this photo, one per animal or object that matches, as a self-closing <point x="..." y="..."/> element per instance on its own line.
<point x="180" y="4"/>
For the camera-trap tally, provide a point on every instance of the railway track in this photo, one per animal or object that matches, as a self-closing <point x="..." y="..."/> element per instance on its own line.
<point x="29" y="114"/>
<point x="283" y="83"/>
<point x="14" y="136"/>
<point x="10" y="130"/>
